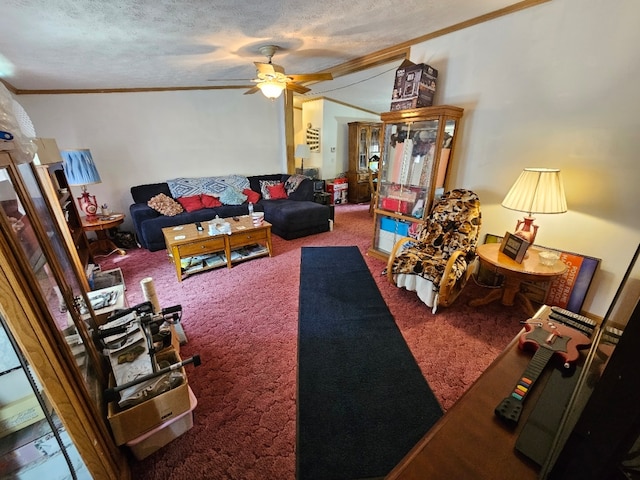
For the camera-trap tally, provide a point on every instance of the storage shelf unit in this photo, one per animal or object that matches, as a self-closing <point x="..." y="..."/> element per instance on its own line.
<point x="417" y="153"/>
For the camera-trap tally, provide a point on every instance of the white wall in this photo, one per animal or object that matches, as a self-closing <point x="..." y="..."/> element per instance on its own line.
<point x="151" y="137"/>
<point x="332" y="118"/>
<point x="552" y="86"/>
<point x="337" y="118"/>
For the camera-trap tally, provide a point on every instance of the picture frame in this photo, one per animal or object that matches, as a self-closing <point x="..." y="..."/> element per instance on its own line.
<point x="514" y="247"/>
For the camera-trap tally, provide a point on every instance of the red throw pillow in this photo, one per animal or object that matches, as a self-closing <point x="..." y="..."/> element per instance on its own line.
<point x="277" y="191"/>
<point x="191" y="204"/>
<point x="252" y="196"/>
<point x="209" y="201"/>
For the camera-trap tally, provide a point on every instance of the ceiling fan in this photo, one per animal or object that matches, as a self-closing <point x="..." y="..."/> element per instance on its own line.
<point x="272" y="79"/>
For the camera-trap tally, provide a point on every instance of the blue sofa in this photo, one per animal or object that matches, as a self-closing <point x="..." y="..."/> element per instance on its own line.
<point x="294" y="217"/>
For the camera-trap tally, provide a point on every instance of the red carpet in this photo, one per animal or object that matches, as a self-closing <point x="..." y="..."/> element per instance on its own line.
<point x="243" y="323"/>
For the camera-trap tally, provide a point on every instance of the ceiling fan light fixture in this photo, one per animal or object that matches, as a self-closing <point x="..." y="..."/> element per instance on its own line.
<point x="271" y="89"/>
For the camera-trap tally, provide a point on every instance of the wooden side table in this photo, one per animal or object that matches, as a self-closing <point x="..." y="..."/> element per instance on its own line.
<point x="514" y="274"/>
<point x="103" y="245"/>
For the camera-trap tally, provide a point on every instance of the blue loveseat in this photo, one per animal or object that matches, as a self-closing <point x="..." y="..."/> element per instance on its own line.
<point x="294" y="217"/>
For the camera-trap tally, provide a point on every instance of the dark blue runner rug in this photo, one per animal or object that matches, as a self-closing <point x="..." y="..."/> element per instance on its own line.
<point x="363" y="402"/>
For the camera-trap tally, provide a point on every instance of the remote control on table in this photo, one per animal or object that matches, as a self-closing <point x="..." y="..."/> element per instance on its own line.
<point x="236" y="219"/>
<point x="199" y="226"/>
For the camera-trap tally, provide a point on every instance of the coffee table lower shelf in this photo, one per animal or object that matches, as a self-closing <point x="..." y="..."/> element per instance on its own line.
<point x="193" y="251"/>
<point x="201" y="263"/>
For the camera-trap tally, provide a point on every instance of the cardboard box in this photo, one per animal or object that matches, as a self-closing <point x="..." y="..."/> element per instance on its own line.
<point x="414" y="86"/>
<point x="132" y="422"/>
<point x="47" y="152"/>
<point x="338" y="189"/>
<point x="155" y="439"/>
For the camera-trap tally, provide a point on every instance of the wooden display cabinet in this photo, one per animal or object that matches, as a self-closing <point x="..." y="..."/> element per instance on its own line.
<point x="417" y="152"/>
<point x="364" y="143"/>
<point x="53" y="344"/>
<point x="56" y="190"/>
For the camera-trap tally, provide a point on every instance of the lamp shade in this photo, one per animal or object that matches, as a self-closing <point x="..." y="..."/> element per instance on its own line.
<point x="303" y="150"/>
<point x="79" y="167"/>
<point x="537" y="190"/>
<point x="271" y="89"/>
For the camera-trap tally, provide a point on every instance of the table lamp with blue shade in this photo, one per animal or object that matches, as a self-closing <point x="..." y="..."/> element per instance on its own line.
<point x="80" y="169"/>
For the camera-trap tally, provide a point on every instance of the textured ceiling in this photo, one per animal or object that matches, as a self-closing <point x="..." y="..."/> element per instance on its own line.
<point x="95" y="44"/>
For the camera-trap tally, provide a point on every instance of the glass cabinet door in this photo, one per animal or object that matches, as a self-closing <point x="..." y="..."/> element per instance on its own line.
<point x="59" y="376"/>
<point x="416" y="154"/>
<point x="374" y="144"/>
<point x="57" y="280"/>
<point x="414" y="165"/>
<point x="33" y="442"/>
<point x="363" y="147"/>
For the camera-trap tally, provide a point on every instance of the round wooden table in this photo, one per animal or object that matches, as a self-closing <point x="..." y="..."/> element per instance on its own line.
<point x="103" y="245"/>
<point x="530" y="270"/>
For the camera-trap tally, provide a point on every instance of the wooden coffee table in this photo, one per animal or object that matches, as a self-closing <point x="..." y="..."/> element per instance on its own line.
<point x="514" y="274"/>
<point x="185" y="242"/>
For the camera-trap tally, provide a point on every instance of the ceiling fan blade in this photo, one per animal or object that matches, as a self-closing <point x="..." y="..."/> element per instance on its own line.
<point x="309" y="77"/>
<point x="297" y="88"/>
<point x="268" y="68"/>
<point x="229" y="79"/>
<point x="252" y="90"/>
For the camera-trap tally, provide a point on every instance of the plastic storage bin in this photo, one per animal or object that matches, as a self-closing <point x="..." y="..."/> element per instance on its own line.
<point x="155" y="439"/>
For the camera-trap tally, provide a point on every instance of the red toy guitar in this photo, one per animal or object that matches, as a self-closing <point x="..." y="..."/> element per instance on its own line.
<point x="547" y="338"/>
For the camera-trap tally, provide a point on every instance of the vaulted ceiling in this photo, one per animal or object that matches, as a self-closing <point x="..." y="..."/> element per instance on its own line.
<point x="91" y="45"/>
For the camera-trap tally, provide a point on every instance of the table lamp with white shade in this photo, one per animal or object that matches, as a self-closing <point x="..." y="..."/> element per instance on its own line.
<point x="302" y="151"/>
<point x="537" y="190"/>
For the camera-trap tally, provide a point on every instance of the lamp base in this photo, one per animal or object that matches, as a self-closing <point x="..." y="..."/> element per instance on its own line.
<point x="526" y="230"/>
<point x="88" y="205"/>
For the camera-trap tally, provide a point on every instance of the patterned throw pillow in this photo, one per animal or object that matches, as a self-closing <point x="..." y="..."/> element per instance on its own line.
<point x="277" y="191"/>
<point x="232" y="196"/>
<point x="293" y="182"/>
<point x="165" y="205"/>
<point x="263" y="187"/>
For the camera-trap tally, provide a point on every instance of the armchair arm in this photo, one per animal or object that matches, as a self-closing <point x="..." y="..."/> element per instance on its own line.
<point x="450" y="290"/>
<point x="393" y="254"/>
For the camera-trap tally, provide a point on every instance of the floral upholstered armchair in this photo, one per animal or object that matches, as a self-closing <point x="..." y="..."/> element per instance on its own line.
<point x="436" y="263"/>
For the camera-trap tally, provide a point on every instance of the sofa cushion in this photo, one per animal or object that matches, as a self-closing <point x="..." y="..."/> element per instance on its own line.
<point x="254" y="182"/>
<point x="294" y="219"/>
<point x="144" y="193"/>
<point x="232" y="196"/>
<point x="277" y="191"/>
<point x="252" y="196"/>
<point x="209" y="201"/>
<point x="165" y="205"/>
<point x="264" y="187"/>
<point x="186" y="187"/>
<point x="191" y="204"/>
<point x="293" y="182"/>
